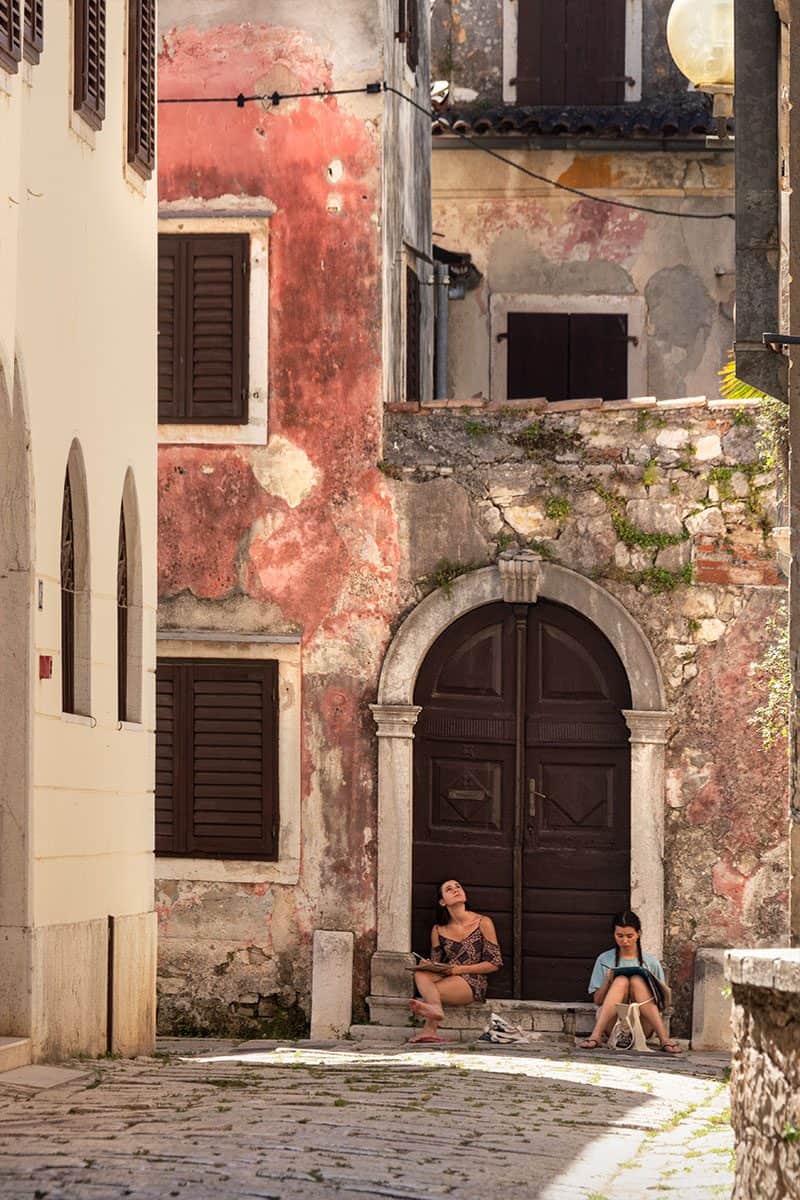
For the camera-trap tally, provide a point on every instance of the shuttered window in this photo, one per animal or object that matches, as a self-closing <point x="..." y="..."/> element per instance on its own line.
<point x="89" y="94"/>
<point x="413" y="333"/>
<point x="567" y="356"/>
<point x="10" y="34"/>
<point x="571" y="52"/>
<point x="203" y="328"/>
<point x="67" y="601"/>
<point x="217" y="758"/>
<point x="123" y="591"/>
<point x="32" y="29"/>
<point x="142" y="86"/>
<point x="412" y="33"/>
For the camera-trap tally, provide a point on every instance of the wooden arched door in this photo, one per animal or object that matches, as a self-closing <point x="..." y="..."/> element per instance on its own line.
<point x="522" y="789"/>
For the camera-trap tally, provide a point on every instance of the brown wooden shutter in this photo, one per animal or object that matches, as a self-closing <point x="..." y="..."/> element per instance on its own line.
<point x="142" y="86"/>
<point x="10" y="34"/>
<point x="413" y="333"/>
<point x="67" y="601"/>
<point x="217" y="758"/>
<point x="598" y="356"/>
<point x="33" y="29"/>
<point x="203" y="328"/>
<point x="89" y="97"/>
<point x="412" y="33"/>
<point x="571" y="52"/>
<point x="538" y="355"/>
<point x="122" y="620"/>
<point x="168" y="758"/>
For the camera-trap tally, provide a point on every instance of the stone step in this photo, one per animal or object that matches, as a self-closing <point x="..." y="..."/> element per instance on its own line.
<point x="538" y="1016"/>
<point x="14" y="1052"/>
<point x="399" y="1034"/>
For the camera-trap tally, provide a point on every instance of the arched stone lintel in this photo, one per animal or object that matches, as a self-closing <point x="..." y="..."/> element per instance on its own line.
<point x="437" y="611"/>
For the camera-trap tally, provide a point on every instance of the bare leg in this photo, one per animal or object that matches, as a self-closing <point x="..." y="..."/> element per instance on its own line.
<point x="436" y="992"/>
<point x="616" y="994"/>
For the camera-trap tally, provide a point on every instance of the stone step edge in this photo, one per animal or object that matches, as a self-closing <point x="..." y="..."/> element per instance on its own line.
<point x="536" y="1016"/>
<point x="14" y="1052"/>
<point x="399" y="1034"/>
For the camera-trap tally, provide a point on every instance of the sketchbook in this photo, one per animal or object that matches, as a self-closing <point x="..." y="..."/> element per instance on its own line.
<point x="432" y="967"/>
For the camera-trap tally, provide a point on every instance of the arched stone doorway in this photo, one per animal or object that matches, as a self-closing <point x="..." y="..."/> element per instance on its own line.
<point x="517" y="580"/>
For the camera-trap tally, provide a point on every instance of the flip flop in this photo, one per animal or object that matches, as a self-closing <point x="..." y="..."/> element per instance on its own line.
<point x="590" y="1044"/>
<point x="670" y="1047"/>
<point x="427" y="1039"/>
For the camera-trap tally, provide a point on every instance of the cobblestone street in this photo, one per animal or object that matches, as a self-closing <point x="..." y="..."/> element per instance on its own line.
<point x="292" y="1121"/>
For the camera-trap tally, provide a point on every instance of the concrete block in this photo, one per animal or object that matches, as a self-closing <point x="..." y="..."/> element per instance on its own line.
<point x="787" y="971"/>
<point x="331" y="983"/>
<point x="389" y="976"/>
<point x="14" y="1052"/>
<point x="548" y="1022"/>
<point x="134" y="985"/>
<point x="711" y="1011"/>
<point x="70" y="992"/>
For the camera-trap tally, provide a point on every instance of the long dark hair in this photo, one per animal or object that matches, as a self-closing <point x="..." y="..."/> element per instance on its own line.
<point x="629" y="919"/>
<point x="441" y="913"/>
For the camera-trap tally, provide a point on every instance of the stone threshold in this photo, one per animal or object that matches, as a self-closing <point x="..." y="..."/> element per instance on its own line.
<point x="536" y="1016"/>
<point x="14" y="1052"/>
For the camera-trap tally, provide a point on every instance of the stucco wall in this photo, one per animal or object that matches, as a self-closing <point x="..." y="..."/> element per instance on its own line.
<point x="77" y="323"/>
<point x="304" y="533"/>
<point x="528" y="239"/>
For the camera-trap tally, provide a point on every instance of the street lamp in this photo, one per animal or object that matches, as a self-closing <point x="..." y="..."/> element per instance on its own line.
<point x="700" y="40"/>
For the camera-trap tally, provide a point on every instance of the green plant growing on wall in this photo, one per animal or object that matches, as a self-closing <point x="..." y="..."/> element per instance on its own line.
<point x="650" y="473"/>
<point x="447" y="572"/>
<point x="773" y="443"/>
<point x="389" y="470"/>
<point x="646" y="419"/>
<point x="659" y="580"/>
<point x="477" y="429"/>
<point x="631" y="534"/>
<point x="537" y="439"/>
<point x="557" y="508"/>
<point x="772" y="717"/>
<point x="544" y="550"/>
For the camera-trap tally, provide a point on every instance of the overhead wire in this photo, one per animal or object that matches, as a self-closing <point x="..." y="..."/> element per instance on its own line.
<point x="376" y="88"/>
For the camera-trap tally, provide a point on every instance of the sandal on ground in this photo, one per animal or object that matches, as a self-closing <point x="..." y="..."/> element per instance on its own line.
<point x="427" y="1039"/>
<point x="590" y="1044"/>
<point x="670" y="1047"/>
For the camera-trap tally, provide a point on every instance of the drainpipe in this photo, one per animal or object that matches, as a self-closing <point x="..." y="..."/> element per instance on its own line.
<point x="442" y="285"/>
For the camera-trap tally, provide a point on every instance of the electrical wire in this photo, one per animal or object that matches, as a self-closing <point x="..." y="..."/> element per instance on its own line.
<point x="373" y="89"/>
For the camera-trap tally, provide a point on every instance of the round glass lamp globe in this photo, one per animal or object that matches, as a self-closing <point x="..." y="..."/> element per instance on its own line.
<point x="700" y="39"/>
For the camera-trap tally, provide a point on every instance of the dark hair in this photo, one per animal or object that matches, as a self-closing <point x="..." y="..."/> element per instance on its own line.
<point x="630" y="920"/>
<point x="441" y="913"/>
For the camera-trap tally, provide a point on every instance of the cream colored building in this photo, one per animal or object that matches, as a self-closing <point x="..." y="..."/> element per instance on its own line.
<point x="77" y="400"/>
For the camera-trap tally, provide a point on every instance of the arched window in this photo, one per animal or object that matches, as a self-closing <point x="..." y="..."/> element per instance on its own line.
<point x="130" y="664"/>
<point x="76" y="655"/>
<point x="122" y="619"/>
<point x="67" y="601"/>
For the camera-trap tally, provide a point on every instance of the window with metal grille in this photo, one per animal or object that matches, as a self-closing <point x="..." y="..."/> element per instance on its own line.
<point x="32" y="30"/>
<point x="123" y="593"/>
<point x="10" y="35"/>
<point x="217" y="758"/>
<point x="142" y="86"/>
<point x="571" y="52"/>
<point x="413" y="334"/>
<point x="203" y="282"/>
<point x="567" y="356"/>
<point x="67" y="601"/>
<point x="89" y="82"/>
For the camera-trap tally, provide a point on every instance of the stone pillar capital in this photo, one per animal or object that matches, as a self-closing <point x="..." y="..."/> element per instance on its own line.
<point x="395" y="720"/>
<point x="647" y="727"/>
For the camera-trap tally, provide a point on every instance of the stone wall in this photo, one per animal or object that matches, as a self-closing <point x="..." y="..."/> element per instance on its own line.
<point x="765" y="1076"/>
<point x="669" y="506"/>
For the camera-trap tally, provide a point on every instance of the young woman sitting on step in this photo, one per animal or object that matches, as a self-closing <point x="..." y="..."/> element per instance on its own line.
<point x="466" y="943"/>
<point x="620" y="977"/>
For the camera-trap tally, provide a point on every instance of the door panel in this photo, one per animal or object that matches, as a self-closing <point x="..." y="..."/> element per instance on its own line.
<point x="571" y="819"/>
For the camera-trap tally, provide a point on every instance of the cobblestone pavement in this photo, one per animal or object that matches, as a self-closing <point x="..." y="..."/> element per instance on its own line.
<point x="298" y="1120"/>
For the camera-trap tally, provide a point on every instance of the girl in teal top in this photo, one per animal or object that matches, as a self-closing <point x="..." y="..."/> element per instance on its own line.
<point x="620" y="976"/>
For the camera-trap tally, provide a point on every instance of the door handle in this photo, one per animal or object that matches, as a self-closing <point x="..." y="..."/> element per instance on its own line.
<point x="533" y="796"/>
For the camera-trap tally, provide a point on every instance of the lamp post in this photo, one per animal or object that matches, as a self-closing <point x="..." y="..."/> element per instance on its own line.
<point x="700" y="40"/>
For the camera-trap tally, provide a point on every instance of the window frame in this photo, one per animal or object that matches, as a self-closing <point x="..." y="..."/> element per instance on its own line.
<point x="631" y="306"/>
<point x="177" y="217"/>
<point x="11" y="52"/>
<point x="32" y="30"/>
<point x="633" y="49"/>
<point x="91" y="108"/>
<point x="285" y="651"/>
<point x="141" y="87"/>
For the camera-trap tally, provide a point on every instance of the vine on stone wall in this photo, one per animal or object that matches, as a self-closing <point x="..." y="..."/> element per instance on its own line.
<point x="772" y="717"/>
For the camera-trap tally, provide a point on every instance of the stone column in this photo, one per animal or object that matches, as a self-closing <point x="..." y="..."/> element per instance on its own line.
<point x="395" y="726"/>
<point x="648" y="790"/>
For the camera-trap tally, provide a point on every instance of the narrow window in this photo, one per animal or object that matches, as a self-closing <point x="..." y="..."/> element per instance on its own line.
<point x="123" y="592"/>
<point x="217" y="758"/>
<point x="413" y="333"/>
<point x="89" y="85"/>
<point x="142" y="86"/>
<point x="567" y="356"/>
<point x="571" y="52"/>
<point x="412" y="33"/>
<point x="33" y="30"/>
<point x="203" y="282"/>
<point x="10" y="35"/>
<point x="67" y="602"/>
